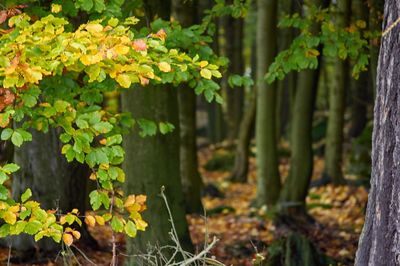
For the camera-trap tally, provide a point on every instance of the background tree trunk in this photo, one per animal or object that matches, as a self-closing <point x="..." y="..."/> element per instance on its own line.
<point x="380" y="239"/>
<point x="268" y="180"/>
<point x="234" y="96"/>
<point x="295" y="189"/>
<point x="337" y="92"/>
<point x="185" y="13"/>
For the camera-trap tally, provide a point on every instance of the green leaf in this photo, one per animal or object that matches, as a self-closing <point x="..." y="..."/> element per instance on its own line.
<point x="116" y="224"/>
<point x="149" y="128"/>
<point x="27" y="194"/>
<point x="3" y="177"/>
<point x="33" y="227"/>
<point x="6" y="133"/>
<point x="95" y="199"/>
<point x="166" y="127"/>
<point x="3" y="193"/>
<point x="103" y="127"/>
<point x="10" y="168"/>
<point x="130" y="229"/>
<point x="17" y="139"/>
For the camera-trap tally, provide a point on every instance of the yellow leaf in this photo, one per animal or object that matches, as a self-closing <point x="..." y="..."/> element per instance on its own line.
<point x="63" y="220"/>
<point x="100" y="220"/>
<point x="123" y="80"/>
<point x="121" y="49"/>
<point x="9" y="217"/>
<point x="90" y="220"/>
<point x="103" y="141"/>
<point x="130" y="200"/>
<point x="75" y="211"/>
<point x="14" y="208"/>
<point x="56" y="8"/>
<point x="93" y="176"/>
<point x="205" y="73"/>
<point x="76" y="234"/>
<point x="203" y="63"/>
<point x="164" y="67"/>
<point x="68" y="239"/>
<point x="141" y="199"/>
<point x="140" y="224"/>
<point x="93" y="28"/>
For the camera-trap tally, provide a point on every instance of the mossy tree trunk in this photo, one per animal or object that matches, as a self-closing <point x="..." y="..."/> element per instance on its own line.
<point x="379" y="241"/>
<point x="337" y="95"/>
<point x="268" y="180"/>
<point x="295" y="189"/>
<point x="153" y="162"/>
<point x="185" y="13"/>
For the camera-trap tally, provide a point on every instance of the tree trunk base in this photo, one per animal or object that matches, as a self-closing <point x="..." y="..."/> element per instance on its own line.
<point x="296" y="250"/>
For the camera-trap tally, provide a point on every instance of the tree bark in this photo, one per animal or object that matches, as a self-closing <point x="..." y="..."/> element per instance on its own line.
<point x="360" y="88"/>
<point x="185" y="13"/>
<point x="337" y="94"/>
<point x="54" y="182"/>
<point x="234" y="96"/>
<point x="153" y="162"/>
<point x="268" y="180"/>
<point x="295" y="189"/>
<point x="380" y="239"/>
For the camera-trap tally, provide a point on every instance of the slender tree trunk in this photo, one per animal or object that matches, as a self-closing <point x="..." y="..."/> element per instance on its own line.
<point x="337" y="95"/>
<point x="295" y="189"/>
<point x="54" y="182"/>
<point x="294" y="192"/>
<point x="216" y="129"/>
<point x="360" y="89"/>
<point x="380" y="239"/>
<point x="185" y="13"/>
<point x="268" y="182"/>
<point x="246" y="130"/>
<point x="234" y="96"/>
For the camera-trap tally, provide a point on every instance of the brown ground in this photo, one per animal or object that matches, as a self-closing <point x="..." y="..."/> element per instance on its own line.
<point x="244" y="231"/>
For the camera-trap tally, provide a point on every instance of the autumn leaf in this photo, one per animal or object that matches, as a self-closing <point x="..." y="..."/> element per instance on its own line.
<point x="90" y="220"/>
<point x="68" y="239"/>
<point x="139" y="45"/>
<point x="205" y="73"/>
<point x="164" y="67"/>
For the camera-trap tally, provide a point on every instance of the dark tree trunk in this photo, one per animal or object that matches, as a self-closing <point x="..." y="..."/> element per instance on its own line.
<point x="234" y="96"/>
<point x="185" y="13"/>
<point x="54" y="182"/>
<point x="380" y="239"/>
<point x="360" y="88"/>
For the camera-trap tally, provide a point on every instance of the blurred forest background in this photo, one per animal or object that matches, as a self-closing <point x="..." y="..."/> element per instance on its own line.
<point x="278" y="172"/>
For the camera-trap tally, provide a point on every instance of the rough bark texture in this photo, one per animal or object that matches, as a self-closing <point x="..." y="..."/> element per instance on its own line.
<point x="153" y="162"/>
<point x="380" y="239"/>
<point x="337" y="94"/>
<point x="185" y="13"/>
<point x="268" y="180"/>
<point x="54" y="182"/>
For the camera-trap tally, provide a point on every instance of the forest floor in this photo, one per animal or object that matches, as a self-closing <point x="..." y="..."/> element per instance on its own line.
<point x="244" y="231"/>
